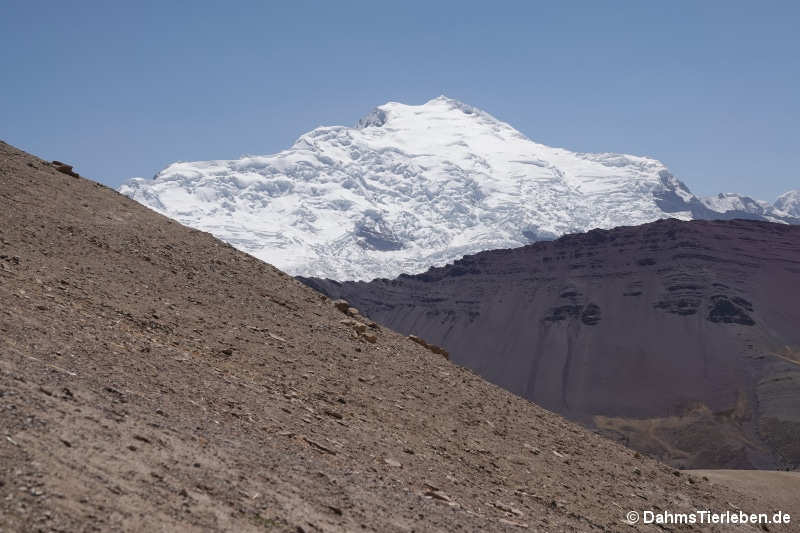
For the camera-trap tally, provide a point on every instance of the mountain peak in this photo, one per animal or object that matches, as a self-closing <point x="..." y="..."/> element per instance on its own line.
<point x="443" y="98"/>
<point x="733" y="205"/>
<point x="434" y="109"/>
<point x="789" y="202"/>
<point x="376" y="118"/>
<point x="411" y="186"/>
<point x="452" y="102"/>
<point x="457" y="105"/>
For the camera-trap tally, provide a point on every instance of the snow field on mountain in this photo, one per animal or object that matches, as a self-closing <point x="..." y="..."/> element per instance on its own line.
<point x="408" y="188"/>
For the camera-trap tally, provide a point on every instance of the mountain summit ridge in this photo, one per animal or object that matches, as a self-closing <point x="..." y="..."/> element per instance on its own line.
<point x="414" y="186"/>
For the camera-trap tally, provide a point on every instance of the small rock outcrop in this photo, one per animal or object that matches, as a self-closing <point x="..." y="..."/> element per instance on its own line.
<point x="341" y="305"/>
<point x="65" y="169"/>
<point x="432" y="347"/>
<point x="352" y="312"/>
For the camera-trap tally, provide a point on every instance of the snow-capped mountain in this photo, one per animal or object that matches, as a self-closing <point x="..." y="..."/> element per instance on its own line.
<point x="411" y="187"/>
<point x="731" y="201"/>
<point x="785" y="208"/>
<point x="789" y="203"/>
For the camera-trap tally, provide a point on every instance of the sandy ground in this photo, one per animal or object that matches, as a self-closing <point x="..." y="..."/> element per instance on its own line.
<point x="782" y="489"/>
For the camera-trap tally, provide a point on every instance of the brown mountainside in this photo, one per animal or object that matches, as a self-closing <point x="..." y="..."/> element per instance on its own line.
<point x="153" y="378"/>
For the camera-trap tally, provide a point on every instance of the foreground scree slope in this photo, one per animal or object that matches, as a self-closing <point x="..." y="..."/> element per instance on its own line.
<point x="153" y="378"/>
<point x="680" y="338"/>
<point x="414" y="186"/>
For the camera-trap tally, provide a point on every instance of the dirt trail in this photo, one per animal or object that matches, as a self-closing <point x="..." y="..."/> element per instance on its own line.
<point x="153" y="378"/>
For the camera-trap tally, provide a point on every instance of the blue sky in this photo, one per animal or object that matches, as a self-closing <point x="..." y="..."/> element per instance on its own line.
<point x="122" y="89"/>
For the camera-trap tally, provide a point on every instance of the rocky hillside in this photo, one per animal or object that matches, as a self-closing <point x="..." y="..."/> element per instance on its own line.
<point x="680" y="339"/>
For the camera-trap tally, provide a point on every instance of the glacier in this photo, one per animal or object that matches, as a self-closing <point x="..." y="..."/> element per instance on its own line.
<point x="415" y="186"/>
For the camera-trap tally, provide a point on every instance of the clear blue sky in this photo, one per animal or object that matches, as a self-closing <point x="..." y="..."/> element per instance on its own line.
<point x="122" y="89"/>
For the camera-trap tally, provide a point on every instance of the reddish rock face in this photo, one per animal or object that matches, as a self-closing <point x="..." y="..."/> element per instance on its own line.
<point x="680" y="338"/>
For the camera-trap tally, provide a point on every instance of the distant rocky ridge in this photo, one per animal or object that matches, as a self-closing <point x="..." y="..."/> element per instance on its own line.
<point x="414" y="186"/>
<point x="681" y="339"/>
